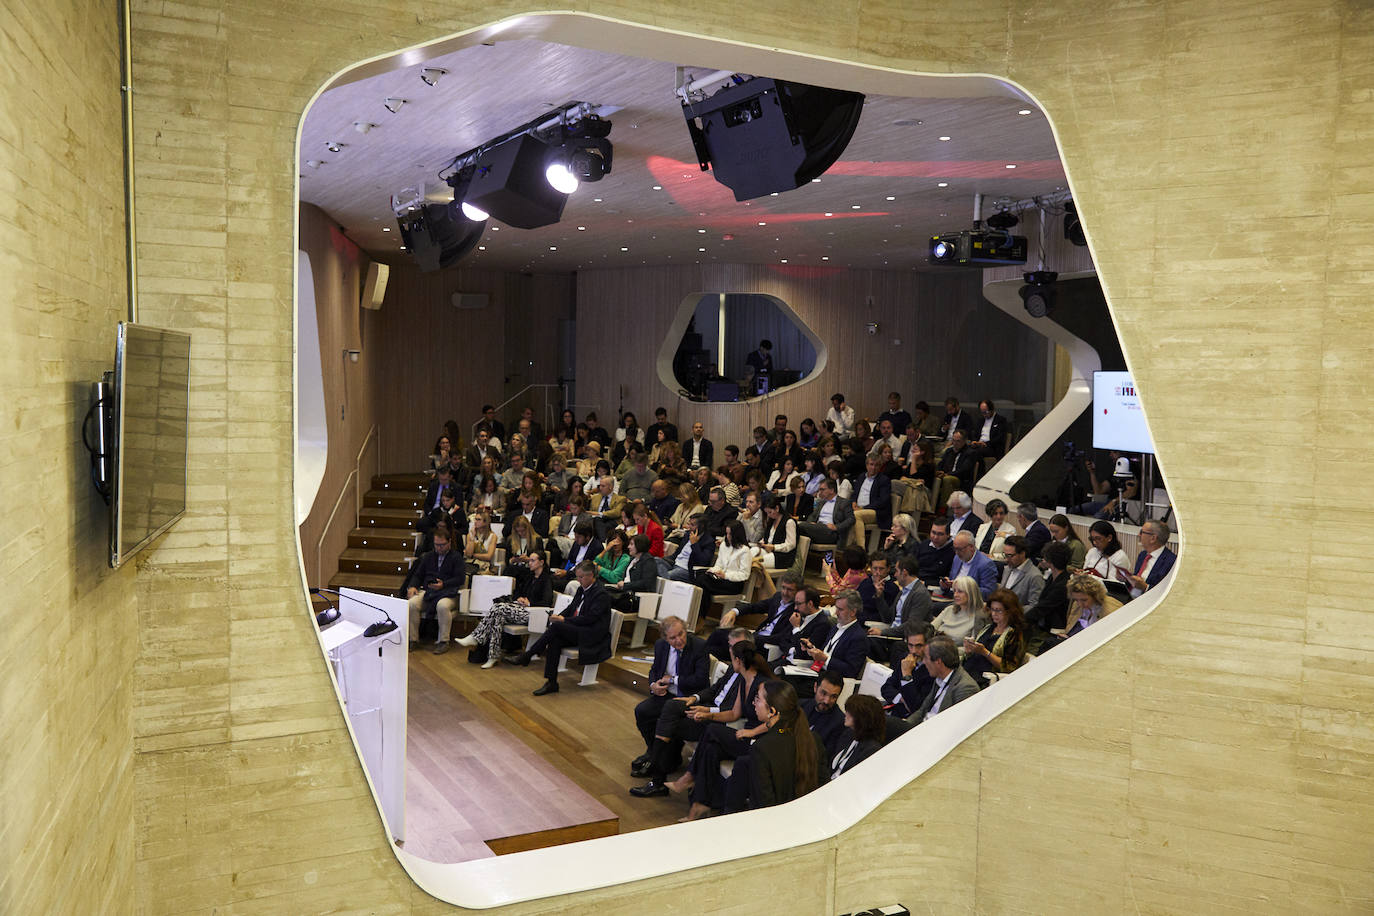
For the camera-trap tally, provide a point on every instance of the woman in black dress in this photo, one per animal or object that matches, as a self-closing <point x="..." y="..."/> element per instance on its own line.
<point x="533" y="588"/>
<point x="788" y="760"/>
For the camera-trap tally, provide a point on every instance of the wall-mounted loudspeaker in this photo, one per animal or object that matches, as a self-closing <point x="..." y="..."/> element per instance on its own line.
<point x="469" y="300"/>
<point x="374" y="285"/>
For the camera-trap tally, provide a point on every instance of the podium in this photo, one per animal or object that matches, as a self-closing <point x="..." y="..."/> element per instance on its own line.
<point x="371" y="673"/>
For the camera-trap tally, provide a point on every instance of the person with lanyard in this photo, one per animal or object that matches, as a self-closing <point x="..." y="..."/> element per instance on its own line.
<point x="846" y="649"/>
<point x="776" y="630"/>
<point x="912" y="609"/>
<point x="909" y="685"/>
<point x="952" y="683"/>
<point x="867" y="727"/>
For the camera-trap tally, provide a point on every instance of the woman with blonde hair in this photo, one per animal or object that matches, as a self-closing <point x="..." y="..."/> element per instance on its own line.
<point x="479" y="550"/>
<point x="1088" y="603"/>
<point x="965" y="613"/>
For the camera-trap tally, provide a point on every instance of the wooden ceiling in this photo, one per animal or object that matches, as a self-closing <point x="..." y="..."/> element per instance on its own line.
<point x="875" y="208"/>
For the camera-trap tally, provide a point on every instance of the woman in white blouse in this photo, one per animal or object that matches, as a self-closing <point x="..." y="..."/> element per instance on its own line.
<point x="778" y="546"/>
<point x="998" y="526"/>
<point x="1105" y="555"/>
<point x="731" y="569"/>
<point x="962" y="617"/>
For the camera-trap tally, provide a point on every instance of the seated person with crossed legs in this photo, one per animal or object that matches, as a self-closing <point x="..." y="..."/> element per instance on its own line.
<point x="681" y="668"/>
<point x="433" y="586"/>
<point x="585" y="625"/>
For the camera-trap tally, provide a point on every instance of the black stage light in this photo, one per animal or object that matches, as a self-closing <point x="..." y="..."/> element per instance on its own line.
<point x="944" y="249"/>
<point x="439" y="235"/>
<point x="1073" y="229"/>
<point x="1003" y="219"/>
<point x="1038" y="293"/>
<point x="766" y="135"/>
<point x="579" y="153"/>
<point x="508" y="182"/>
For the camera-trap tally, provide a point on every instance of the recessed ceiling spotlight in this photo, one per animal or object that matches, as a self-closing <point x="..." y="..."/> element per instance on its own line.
<point x="1011" y="165"/>
<point x="784" y="260"/>
<point x="623" y="248"/>
<point x="815" y="181"/>
<point x="363" y="127"/>
<point x="828" y="213"/>
<point x="551" y="248"/>
<point x="314" y="163"/>
<point x="333" y="146"/>
<point x="481" y="247"/>
<point x="1024" y="111"/>
<point x="432" y="75"/>
<point x="386" y="228"/>
<point x="943" y="184"/>
<point x="658" y="187"/>
<point x="944" y="139"/>
<point x="403" y="248"/>
<point x="892" y="198"/>
<point x="853" y="206"/>
<point x="701" y="230"/>
<point x="701" y="249"/>
<point x="394" y="105"/>
<point x="763" y="224"/>
<point x="825" y="257"/>
<point x="581" y="228"/>
<point x="774" y="194"/>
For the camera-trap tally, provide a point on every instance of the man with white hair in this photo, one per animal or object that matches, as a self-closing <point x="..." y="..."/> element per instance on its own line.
<point x="961" y="515"/>
<point x="969" y="562"/>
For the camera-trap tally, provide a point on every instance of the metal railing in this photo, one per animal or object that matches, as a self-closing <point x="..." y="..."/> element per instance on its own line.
<point x="371" y="439"/>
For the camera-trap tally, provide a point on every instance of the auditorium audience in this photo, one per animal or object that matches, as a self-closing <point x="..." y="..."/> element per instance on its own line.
<point x="614" y="559"/>
<point x="584" y="625"/>
<point x="697" y="552"/>
<point x="831" y="519"/>
<point x="479" y="550"/>
<point x="521" y="541"/>
<point x="952" y="683"/>
<point x="961" y="517"/>
<point x="1050" y="612"/>
<point x="840" y="416"/>
<point x="907" y="688"/>
<point x="777" y="544"/>
<point x="969" y="562"/>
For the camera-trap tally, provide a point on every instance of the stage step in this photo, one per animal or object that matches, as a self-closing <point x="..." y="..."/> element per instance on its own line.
<point x="382" y="539"/>
<point x="402" y="482"/>
<point x="388" y="518"/>
<point x="393" y="499"/>
<point x="373" y="560"/>
<point x="368" y="582"/>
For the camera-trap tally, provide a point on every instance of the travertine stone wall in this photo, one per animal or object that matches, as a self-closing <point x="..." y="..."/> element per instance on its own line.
<point x="1217" y="757"/>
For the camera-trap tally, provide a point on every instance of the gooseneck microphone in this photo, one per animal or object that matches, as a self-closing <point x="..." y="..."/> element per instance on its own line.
<point x="374" y="629"/>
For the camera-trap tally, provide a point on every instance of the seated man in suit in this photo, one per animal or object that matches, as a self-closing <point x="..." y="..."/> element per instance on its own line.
<point x="718" y="515"/>
<point x="433" y="586"/>
<point x="831" y="518"/>
<point x="952" y="684"/>
<point x="961" y="515"/>
<point x="681" y="668"/>
<point x="698" y="452"/>
<point x="872" y="497"/>
<point x="482" y="448"/>
<point x="1038" y="534"/>
<point x="845" y="649"/>
<point x="907" y="688"/>
<point x="585" y="546"/>
<point x="450" y="512"/>
<point x="443" y="478"/>
<point x="536" y="514"/>
<point x="989" y="438"/>
<point x="661" y="502"/>
<point x="876" y="586"/>
<point x="585" y="625"/>
<point x="823" y="713"/>
<point x="775" y="630"/>
<point x="969" y="562"/>
<point x="909" y="612"/>
<point x="1020" y="576"/>
<point x="697" y="552"/>
<point x="605" y="506"/>
<point x="1155" y="559"/>
<point x="936" y="554"/>
<point x="808" y="624"/>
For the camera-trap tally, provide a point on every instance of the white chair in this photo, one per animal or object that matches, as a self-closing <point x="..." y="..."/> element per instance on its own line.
<point x="477" y="598"/>
<point x="875" y="675"/>
<point x="589" y="671"/>
<point x="648" y="613"/>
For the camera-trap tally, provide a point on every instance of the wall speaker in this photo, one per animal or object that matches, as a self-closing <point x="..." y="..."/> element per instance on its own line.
<point x="469" y="300"/>
<point x="374" y="285"/>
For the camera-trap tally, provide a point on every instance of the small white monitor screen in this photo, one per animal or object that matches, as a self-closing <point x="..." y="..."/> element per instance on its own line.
<point x="1118" y="419"/>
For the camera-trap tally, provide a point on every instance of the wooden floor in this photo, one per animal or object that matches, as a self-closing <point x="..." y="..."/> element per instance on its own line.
<point x="486" y="760"/>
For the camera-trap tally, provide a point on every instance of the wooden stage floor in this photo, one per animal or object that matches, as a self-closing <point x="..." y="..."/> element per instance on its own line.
<point x="488" y="763"/>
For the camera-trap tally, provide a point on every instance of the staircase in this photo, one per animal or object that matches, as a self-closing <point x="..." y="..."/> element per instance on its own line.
<point x="381" y="548"/>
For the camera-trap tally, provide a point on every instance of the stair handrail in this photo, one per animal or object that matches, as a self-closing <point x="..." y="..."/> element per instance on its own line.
<point x="472" y="431"/>
<point x="352" y="478"/>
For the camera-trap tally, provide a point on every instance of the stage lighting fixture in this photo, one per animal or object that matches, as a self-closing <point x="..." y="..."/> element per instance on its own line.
<point x="509" y="181"/>
<point x="977" y="246"/>
<point x="578" y="153"/>
<point x="1038" y="293"/>
<point x="764" y="135"/>
<point x="1073" y="229"/>
<point x="439" y="235"/>
<point x="1003" y="219"/>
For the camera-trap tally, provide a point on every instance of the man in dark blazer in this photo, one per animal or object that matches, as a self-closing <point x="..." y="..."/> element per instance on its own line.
<point x="909" y="685"/>
<point x="873" y="492"/>
<point x="809" y="624"/>
<point x="956" y="418"/>
<point x="681" y="668"/>
<point x="831" y="518"/>
<point x="775" y="630"/>
<point x="952" y="684"/>
<point x="876" y="586"/>
<point x="585" y="546"/>
<point x="909" y="611"/>
<point x="585" y="625"/>
<point x="989" y="437"/>
<point x="444" y="477"/>
<point x="432" y="587"/>
<point x="1037" y="532"/>
<point x="1154" y="561"/>
<point x="718" y="514"/>
<point x="958" y="460"/>
<point x="660" y="422"/>
<point x="823" y="713"/>
<point x="935" y="555"/>
<point x="480" y="449"/>
<point x="845" y="648"/>
<point x="538" y="516"/>
<point x="698" y="450"/>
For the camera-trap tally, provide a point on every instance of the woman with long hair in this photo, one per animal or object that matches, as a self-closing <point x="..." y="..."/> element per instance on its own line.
<point x="648" y="524"/>
<point x="612" y="562"/>
<point x="443" y="446"/>
<point x="1105" y="553"/>
<point x="846" y="570"/>
<point x="1001" y="645"/>
<point x="1088" y="603"/>
<point x="487" y="497"/>
<point x="778" y="545"/>
<point x="731" y="569"/>
<point x="863" y="716"/>
<point x="963" y="615"/>
<point x="808" y="435"/>
<point x="479" y="547"/>
<point x="1062" y="530"/>
<point x="689" y="504"/>
<point x="532" y="590"/>
<point x="788" y="759"/>
<point x="521" y="541"/>
<point x="703" y="781"/>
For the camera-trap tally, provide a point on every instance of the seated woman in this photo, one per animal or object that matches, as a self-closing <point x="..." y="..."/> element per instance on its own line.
<point x="600" y="470"/>
<point x="641" y="575"/>
<point x="561" y="444"/>
<point x="627" y="432"/>
<point x="964" y="614"/>
<point x="533" y="588"/>
<point x="731" y="569"/>
<point x="703" y="782"/>
<point x="488" y="497"/>
<point x="556" y="483"/>
<point x="845" y="569"/>
<point x="993" y="532"/>
<point x="520" y="542"/>
<point x="612" y="562"/>
<point x="647" y="524"/>
<point x="786" y="761"/>
<point x="777" y="548"/>
<point x="779" y="480"/>
<point x="530" y="484"/>
<point x="1062" y="530"/>
<point x="863" y="717"/>
<point x="902" y="542"/>
<point x="843" y="488"/>
<point x="1088" y="603"/>
<point x="591" y="454"/>
<point x="812" y="472"/>
<point x="442" y="448"/>
<point x="799" y="502"/>
<point x="830" y="451"/>
<point x="656" y="449"/>
<point x="671" y="467"/>
<point x="862" y="437"/>
<point x="1105" y="556"/>
<point x="689" y="504"/>
<point x="887" y="465"/>
<point x="791" y="448"/>
<point x="479" y="547"/>
<point x="1001" y="645"/>
<point x="808" y="436"/>
<point x="921" y="464"/>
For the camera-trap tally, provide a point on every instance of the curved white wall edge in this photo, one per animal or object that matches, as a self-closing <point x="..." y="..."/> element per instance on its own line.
<point x="687" y="308"/>
<point x="823" y="814"/>
<point x="312" y="433"/>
